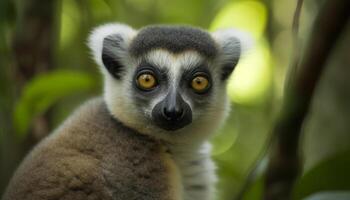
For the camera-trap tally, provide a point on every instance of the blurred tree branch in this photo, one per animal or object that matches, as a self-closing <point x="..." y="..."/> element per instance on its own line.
<point x="31" y="52"/>
<point x="260" y="161"/>
<point x="285" y="163"/>
<point x="34" y="42"/>
<point x="34" y="37"/>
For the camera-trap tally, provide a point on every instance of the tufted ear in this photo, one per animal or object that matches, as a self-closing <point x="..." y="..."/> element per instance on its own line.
<point x="232" y="44"/>
<point x="109" y="45"/>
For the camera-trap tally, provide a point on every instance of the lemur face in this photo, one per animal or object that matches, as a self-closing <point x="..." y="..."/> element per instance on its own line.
<point x="172" y="88"/>
<point x="164" y="80"/>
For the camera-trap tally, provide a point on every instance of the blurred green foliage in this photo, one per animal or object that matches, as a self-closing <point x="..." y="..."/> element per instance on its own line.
<point x="330" y="174"/>
<point x="255" y="87"/>
<point x="43" y="91"/>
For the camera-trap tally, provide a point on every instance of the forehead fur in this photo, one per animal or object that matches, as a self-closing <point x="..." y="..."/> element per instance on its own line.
<point x="173" y="38"/>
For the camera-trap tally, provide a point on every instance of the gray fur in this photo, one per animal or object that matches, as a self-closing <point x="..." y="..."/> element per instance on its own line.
<point x="173" y="38"/>
<point x="86" y="159"/>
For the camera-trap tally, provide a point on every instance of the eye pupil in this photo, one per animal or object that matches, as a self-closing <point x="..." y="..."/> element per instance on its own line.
<point x="200" y="84"/>
<point x="146" y="81"/>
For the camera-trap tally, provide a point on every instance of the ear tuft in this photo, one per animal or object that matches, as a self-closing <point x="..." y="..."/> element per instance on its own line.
<point x="232" y="44"/>
<point x="108" y="44"/>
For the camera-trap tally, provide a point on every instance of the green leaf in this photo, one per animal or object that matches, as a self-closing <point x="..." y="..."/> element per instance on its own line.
<point x="330" y="195"/>
<point x="331" y="174"/>
<point x="43" y="91"/>
<point x="255" y="191"/>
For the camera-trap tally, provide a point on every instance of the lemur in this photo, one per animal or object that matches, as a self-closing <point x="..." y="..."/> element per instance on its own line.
<point x="147" y="137"/>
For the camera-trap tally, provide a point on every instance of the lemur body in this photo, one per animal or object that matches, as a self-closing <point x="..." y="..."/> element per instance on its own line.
<point x="165" y="94"/>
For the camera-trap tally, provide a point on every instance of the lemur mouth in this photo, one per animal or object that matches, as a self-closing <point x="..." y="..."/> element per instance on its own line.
<point x="172" y="125"/>
<point x="171" y="121"/>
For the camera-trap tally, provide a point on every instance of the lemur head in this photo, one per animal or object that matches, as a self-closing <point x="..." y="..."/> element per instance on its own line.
<point x="166" y="81"/>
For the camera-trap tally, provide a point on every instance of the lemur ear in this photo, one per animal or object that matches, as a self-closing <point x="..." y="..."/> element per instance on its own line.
<point x="109" y="45"/>
<point x="232" y="43"/>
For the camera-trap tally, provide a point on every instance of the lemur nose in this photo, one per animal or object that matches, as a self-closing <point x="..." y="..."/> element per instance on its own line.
<point x="173" y="107"/>
<point x="173" y="113"/>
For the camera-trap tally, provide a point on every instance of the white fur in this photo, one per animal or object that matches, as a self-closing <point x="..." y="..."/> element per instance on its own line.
<point x="116" y="92"/>
<point x="232" y="43"/>
<point x="97" y="36"/>
<point x="192" y="174"/>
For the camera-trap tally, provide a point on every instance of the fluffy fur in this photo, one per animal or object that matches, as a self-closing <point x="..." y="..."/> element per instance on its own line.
<point x="86" y="158"/>
<point x="173" y="38"/>
<point x="111" y="148"/>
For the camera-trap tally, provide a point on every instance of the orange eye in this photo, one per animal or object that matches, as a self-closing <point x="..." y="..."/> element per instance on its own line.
<point x="200" y="83"/>
<point x="146" y="81"/>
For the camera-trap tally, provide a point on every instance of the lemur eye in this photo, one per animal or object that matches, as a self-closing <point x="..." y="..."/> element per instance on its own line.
<point x="200" y="84"/>
<point x="146" y="81"/>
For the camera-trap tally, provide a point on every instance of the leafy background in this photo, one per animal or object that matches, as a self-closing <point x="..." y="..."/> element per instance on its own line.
<point x="32" y="106"/>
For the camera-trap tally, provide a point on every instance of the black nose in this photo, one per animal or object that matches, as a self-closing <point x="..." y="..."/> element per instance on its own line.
<point x="172" y="107"/>
<point x="173" y="113"/>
